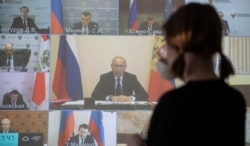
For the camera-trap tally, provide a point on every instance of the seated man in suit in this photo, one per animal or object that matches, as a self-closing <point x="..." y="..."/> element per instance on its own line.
<point x="83" y="138"/>
<point x="85" y="27"/>
<point x="119" y="85"/>
<point x="11" y="62"/>
<point x="6" y="126"/>
<point x="225" y="26"/>
<point x="24" y="24"/>
<point x="150" y="27"/>
<point x="13" y="101"/>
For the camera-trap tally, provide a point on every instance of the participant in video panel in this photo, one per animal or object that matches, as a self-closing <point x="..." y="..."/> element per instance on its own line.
<point x="24" y="91"/>
<point x="23" y="23"/>
<point x="13" y="100"/>
<point x="225" y="26"/>
<point x="82" y="128"/>
<point x="84" y="137"/>
<point x="86" y="26"/>
<point x="25" y="128"/>
<point x="149" y="27"/>
<point x="102" y="13"/>
<point x="24" y="53"/>
<point x="10" y="61"/>
<point x="119" y="85"/>
<point x="6" y="126"/>
<point x="136" y="15"/>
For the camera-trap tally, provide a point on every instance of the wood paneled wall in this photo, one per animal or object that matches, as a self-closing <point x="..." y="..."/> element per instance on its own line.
<point x="28" y="122"/>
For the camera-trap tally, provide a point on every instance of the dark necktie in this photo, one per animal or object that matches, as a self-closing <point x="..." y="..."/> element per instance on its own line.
<point x="8" y="63"/>
<point x="82" y="141"/>
<point x="24" y="23"/>
<point x="118" y="87"/>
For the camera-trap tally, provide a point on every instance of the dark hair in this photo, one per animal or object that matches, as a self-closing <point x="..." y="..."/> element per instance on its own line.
<point x="14" y="92"/>
<point x="196" y="28"/>
<point x="24" y="7"/>
<point x="85" y="126"/>
<point x="86" y="13"/>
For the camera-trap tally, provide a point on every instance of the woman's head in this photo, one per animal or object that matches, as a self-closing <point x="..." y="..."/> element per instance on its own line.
<point x="194" y="28"/>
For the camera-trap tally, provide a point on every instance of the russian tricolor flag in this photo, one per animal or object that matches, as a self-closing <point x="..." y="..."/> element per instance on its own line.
<point x="96" y="127"/>
<point x="56" y="17"/>
<point x="67" y="125"/>
<point x="133" y="21"/>
<point x="67" y="82"/>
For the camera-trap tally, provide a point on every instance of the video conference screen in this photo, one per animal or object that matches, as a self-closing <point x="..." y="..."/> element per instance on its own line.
<point x="56" y="60"/>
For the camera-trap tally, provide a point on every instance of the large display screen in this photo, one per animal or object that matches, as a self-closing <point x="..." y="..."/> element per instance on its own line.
<point x="56" y="58"/>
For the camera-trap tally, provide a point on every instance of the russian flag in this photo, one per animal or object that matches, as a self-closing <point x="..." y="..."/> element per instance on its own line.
<point x="56" y="17"/>
<point x="66" y="130"/>
<point x="96" y="127"/>
<point x="39" y="92"/>
<point x="67" y="82"/>
<point x="133" y="21"/>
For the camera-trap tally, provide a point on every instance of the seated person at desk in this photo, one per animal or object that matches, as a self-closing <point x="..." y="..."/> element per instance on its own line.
<point x="24" y="24"/>
<point x="225" y="26"/>
<point x="118" y="85"/>
<point x="85" y="27"/>
<point x="150" y="27"/>
<point x="6" y="126"/>
<point x="83" y="138"/>
<point x="11" y="62"/>
<point x="13" y="100"/>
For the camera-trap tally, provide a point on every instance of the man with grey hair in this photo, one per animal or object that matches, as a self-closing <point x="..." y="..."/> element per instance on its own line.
<point x="119" y="85"/>
<point x="10" y="61"/>
<point x="6" y="126"/>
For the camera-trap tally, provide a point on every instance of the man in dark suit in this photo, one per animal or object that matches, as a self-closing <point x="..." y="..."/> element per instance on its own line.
<point x="83" y="138"/>
<point x="150" y="27"/>
<point x="11" y="62"/>
<point x="24" y="24"/>
<point x="13" y="101"/>
<point x="118" y="85"/>
<point x="225" y="26"/>
<point x="6" y="126"/>
<point x="85" y="27"/>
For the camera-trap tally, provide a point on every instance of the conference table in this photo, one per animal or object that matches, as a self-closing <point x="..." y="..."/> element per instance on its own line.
<point x="107" y="105"/>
